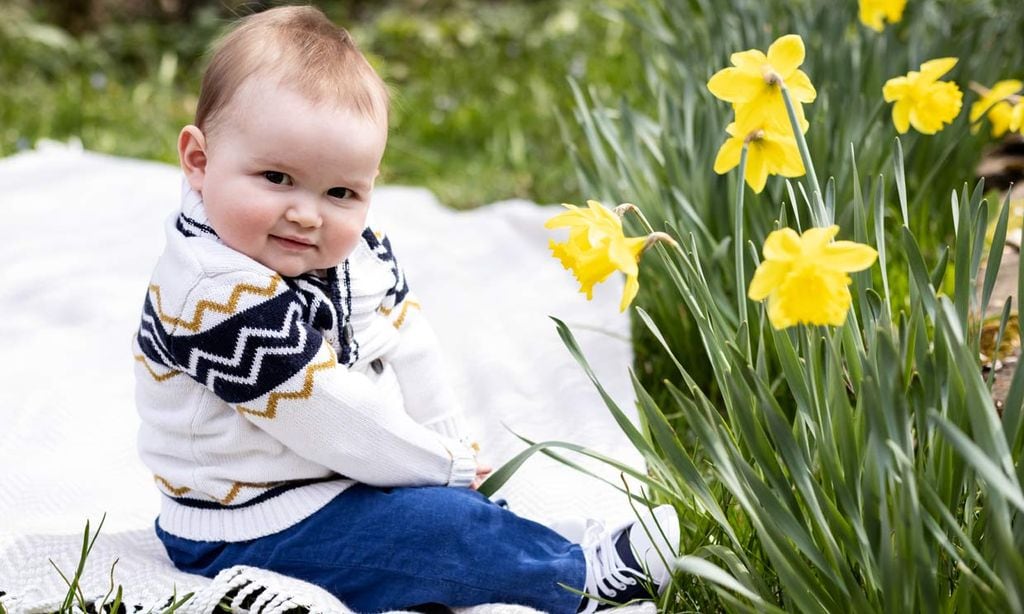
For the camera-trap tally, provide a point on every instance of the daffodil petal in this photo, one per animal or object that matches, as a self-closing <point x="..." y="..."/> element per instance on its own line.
<point x="786" y="54"/>
<point x="767" y="277"/>
<point x="894" y="10"/>
<point x="1001" y="118"/>
<point x="791" y="164"/>
<point x="624" y="252"/>
<point x="847" y="256"/>
<point x="1017" y="117"/>
<point x="777" y="315"/>
<point x="751" y="59"/>
<point x="870" y="15"/>
<point x="565" y="218"/>
<point x="933" y="69"/>
<point x="728" y="156"/>
<point x="978" y="109"/>
<point x="781" y="245"/>
<point x="604" y="215"/>
<point x="814" y="240"/>
<point x="629" y="292"/>
<point x="800" y="87"/>
<point x="757" y="169"/>
<point x="901" y="116"/>
<point x="1006" y="87"/>
<point x="735" y="85"/>
<point x="768" y="112"/>
<point x="895" y="88"/>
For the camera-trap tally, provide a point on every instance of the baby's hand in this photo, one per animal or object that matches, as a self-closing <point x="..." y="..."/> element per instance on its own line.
<point x="482" y="471"/>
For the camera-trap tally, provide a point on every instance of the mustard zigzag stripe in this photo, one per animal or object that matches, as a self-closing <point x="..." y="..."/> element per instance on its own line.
<point x="406" y="306"/>
<point x="307" y="388"/>
<point x="158" y="377"/>
<point x="206" y="305"/>
<point x="236" y="487"/>
<point x="174" y="489"/>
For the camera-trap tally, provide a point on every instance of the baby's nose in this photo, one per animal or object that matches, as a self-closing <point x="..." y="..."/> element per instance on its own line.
<point x="303" y="213"/>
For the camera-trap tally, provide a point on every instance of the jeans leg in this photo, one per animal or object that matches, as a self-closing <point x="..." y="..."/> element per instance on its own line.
<point x="379" y="549"/>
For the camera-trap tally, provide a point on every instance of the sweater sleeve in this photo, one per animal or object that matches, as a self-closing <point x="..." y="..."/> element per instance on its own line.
<point x="243" y="337"/>
<point x="422" y="374"/>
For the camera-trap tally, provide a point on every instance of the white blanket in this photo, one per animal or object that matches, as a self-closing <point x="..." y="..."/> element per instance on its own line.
<point x="80" y="232"/>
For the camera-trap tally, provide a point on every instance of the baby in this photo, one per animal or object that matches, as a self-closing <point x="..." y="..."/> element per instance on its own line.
<point x="295" y="411"/>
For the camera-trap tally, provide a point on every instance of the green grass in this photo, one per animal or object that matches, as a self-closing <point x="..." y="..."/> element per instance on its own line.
<point x="75" y="599"/>
<point x="478" y="86"/>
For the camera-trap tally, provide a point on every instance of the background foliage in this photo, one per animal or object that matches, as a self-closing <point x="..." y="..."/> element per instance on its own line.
<point x="478" y="85"/>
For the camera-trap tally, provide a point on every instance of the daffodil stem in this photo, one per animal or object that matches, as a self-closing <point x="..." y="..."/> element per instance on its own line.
<point x="737" y="237"/>
<point x="643" y="219"/>
<point x="817" y="196"/>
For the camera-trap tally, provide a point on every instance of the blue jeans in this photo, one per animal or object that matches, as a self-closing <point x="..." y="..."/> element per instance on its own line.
<point x="391" y="548"/>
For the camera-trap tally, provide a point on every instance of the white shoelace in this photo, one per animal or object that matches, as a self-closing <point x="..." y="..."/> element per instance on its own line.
<point x="607" y="574"/>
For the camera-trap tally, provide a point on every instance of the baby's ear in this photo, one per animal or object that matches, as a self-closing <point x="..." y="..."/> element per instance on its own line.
<point x="192" y="156"/>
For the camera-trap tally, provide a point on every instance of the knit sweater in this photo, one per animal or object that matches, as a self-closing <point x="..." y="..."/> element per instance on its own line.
<point x="263" y="397"/>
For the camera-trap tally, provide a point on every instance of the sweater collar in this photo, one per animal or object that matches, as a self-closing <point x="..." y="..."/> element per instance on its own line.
<point x="192" y="220"/>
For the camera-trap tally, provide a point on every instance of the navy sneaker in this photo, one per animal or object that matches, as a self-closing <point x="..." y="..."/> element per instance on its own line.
<point x="631" y="562"/>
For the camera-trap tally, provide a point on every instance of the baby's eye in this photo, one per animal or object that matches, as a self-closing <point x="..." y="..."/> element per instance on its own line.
<point x="277" y="177"/>
<point x="340" y="193"/>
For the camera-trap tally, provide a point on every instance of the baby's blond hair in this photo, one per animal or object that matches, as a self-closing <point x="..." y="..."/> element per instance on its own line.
<point x="301" y="48"/>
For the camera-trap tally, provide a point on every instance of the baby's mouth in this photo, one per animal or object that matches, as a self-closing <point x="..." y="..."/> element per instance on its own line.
<point x="297" y="244"/>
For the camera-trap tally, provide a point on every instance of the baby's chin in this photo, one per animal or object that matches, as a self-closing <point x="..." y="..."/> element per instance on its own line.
<point x="287" y="269"/>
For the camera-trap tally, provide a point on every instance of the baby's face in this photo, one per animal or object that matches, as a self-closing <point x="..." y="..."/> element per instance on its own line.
<point x="287" y="182"/>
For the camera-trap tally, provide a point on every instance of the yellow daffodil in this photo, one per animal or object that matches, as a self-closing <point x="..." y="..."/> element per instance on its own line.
<point x="597" y="247"/>
<point x="922" y="101"/>
<point x="752" y="84"/>
<point x="768" y="153"/>
<point x="1001" y="118"/>
<point x="994" y="104"/>
<point x="874" y="12"/>
<point x="804" y="277"/>
<point x="1017" y="117"/>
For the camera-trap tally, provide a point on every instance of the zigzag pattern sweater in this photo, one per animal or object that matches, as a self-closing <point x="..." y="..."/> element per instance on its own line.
<point x="264" y="397"/>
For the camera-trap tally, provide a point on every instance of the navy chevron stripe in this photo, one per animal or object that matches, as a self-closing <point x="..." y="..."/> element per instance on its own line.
<point x="250" y="353"/>
<point x="152" y="337"/>
<point x="270" y="494"/>
<point x="382" y="249"/>
<point x="189" y="227"/>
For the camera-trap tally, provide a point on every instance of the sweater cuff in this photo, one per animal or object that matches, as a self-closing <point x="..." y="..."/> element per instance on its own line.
<point x="463" y="470"/>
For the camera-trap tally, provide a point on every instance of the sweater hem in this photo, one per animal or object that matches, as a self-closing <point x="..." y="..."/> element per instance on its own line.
<point x="252" y="522"/>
